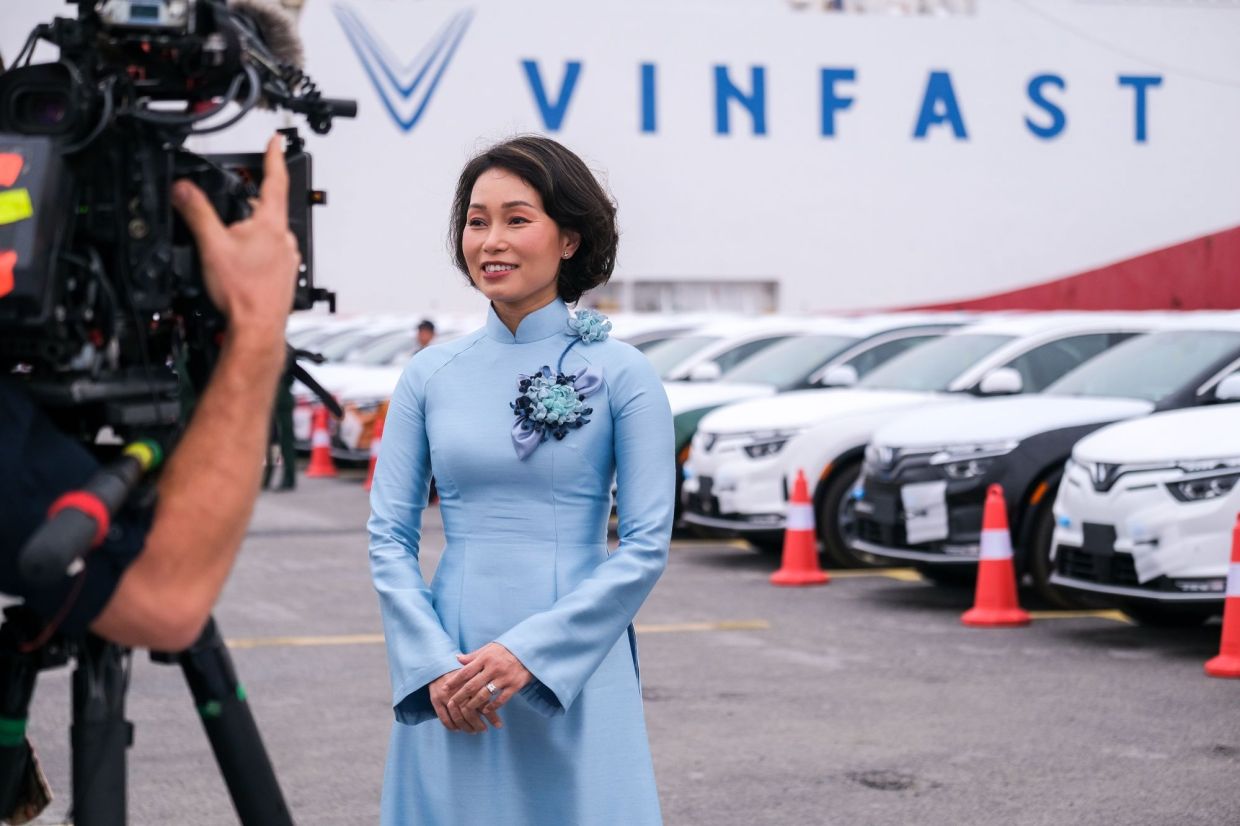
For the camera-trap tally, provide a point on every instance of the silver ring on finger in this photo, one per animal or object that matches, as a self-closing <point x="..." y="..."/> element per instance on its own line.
<point x="491" y="688"/>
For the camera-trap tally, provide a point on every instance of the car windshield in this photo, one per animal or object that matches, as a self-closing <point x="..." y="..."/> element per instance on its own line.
<point x="935" y="365"/>
<point x="383" y="349"/>
<point x="647" y="344"/>
<point x="298" y="338"/>
<point x="346" y="343"/>
<point x="322" y="336"/>
<point x="1149" y="367"/>
<point x="790" y="362"/>
<point x="670" y="352"/>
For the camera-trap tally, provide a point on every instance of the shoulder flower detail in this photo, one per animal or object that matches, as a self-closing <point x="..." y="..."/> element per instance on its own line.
<point x="589" y="325"/>
<point x="551" y="404"/>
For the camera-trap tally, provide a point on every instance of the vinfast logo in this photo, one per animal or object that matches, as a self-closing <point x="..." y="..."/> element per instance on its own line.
<point x="404" y="88"/>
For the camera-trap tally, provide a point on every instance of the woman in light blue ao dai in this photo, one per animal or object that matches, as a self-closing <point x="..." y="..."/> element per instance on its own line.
<point x="514" y="672"/>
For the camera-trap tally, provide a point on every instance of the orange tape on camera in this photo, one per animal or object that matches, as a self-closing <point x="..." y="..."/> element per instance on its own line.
<point x="10" y="168"/>
<point x="88" y="504"/>
<point x="8" y="263"/>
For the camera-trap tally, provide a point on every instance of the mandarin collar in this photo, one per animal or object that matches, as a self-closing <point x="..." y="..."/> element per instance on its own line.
<point x="542" y="323"/>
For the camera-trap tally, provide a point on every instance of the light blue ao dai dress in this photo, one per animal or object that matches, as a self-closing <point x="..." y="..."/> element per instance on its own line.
<point x="525" y="564"/>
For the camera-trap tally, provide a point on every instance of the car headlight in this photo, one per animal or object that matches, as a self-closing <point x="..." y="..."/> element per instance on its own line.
<point x="763" y="449"/>
<point x="970" y="461"/>
<point x="767" y="443"/>
<point x="1203" y="488"/>
<point x="970" y="469"/>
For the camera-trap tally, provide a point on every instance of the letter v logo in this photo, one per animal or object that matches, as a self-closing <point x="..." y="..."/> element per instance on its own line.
<point x="404" y="89"/>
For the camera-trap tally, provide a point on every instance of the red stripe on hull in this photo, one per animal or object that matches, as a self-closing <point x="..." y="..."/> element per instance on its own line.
<point x="1201" y="274"/>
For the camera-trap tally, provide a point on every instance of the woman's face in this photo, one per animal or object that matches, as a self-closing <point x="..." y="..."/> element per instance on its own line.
<point x="512" y="247"/>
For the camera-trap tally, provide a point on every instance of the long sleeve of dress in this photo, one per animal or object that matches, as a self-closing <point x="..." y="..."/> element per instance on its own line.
<point x="418" y="648"/>
<point x="564" y="645"/>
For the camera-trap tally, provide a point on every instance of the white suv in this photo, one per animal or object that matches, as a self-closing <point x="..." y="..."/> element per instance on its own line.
<point x="1144" y="516"/>
<point x="744" y="457"/>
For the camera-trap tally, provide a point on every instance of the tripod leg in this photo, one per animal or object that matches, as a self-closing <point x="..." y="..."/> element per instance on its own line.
<point x="100" y="734"/>
<point x="17" y="676"/>
<point x="234" y="736"/>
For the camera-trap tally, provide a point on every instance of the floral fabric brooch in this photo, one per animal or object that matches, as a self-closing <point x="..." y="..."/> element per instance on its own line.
<point x="551" y="404"/>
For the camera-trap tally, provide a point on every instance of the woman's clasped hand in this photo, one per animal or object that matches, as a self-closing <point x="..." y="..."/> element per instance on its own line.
<point x="471" y="696"/>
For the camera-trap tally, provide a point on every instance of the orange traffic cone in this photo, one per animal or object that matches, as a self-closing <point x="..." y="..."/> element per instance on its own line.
<point x="800" y="563"/>
<point x="375" y="441"/>
<point x="321" y="464"/>
<point x="994" y="604"/>
<point x="1227" y="663"/>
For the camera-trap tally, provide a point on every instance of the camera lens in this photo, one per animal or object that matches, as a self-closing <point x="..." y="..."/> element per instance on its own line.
<point x="42" y="111"/>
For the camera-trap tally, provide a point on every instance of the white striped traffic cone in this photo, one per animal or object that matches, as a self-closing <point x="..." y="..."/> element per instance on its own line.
<point x="800" y="562"/>
<point x="994" y="603"/>
<point x="321" y="464"/>
<point x="1227" y="663"/>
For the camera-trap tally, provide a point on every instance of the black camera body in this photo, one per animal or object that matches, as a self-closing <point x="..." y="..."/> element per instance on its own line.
<point x="103" y="311"/>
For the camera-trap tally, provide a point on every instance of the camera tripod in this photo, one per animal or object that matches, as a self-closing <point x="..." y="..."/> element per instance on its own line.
<point x="100" y="734"/>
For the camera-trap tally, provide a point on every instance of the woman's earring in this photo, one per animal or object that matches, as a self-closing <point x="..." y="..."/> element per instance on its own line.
<point x="567" y="253"/>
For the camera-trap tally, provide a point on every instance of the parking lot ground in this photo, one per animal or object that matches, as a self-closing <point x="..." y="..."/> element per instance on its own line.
<point x="864" y="701"/>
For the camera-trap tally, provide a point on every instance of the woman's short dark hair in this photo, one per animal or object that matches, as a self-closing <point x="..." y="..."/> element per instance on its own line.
<point x="571" y="196"/>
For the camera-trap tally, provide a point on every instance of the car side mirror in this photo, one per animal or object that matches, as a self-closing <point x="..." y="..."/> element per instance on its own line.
<point x="706" y="371"/>
<point x="1004" y="381"/>
<point x="839" y="375"/>
<point x="1228" y="389"/>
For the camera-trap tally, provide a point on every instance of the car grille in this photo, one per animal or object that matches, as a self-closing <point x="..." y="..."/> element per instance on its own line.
<point x="703" y="501"/>
<point x="884" y="524"/>
<point x="1097" y="561"/>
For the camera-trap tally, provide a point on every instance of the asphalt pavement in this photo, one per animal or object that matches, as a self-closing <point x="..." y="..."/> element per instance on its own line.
<point x="864" y="701"/>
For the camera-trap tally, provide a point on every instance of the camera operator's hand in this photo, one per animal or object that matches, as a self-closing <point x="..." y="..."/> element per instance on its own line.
<point x="250" y="267"/>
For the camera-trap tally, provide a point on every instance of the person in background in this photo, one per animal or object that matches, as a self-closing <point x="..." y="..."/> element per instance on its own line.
<point x="282" y="430"/>
<point x="426" y="333"/>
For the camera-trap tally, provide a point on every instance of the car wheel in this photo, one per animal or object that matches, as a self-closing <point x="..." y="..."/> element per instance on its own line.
<point x="836" y="519"/>
<point x="679" y="529"/>
<point x="1041" y="566"/>
<point x="1038" y="555"/>
<point x="1166" y="616"/>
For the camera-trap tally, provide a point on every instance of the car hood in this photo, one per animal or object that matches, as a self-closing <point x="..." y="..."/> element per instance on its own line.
<point x="1000" y="420"/>
<point x="684" y="396"/>
<point x="353" y="382"/>
<point x="805" y="408"/>
<point x="1200" y="433"/>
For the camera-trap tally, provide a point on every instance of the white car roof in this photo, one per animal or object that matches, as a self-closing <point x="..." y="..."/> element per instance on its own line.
<point x="1175" y="435"/>
<point x="1202" y="320"/>
<point x="1026" y="324"/>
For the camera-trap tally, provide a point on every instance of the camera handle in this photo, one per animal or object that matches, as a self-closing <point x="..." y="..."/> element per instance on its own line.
<point x="79" y="520"/>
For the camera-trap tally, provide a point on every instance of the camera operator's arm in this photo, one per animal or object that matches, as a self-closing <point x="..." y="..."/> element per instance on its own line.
<point x="209" y="486"/>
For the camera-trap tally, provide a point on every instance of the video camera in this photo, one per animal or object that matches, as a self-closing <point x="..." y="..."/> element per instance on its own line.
<point x="103" y="311"/>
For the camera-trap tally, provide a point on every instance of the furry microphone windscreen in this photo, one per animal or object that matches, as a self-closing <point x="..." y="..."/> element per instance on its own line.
<point x="275" y="26"/>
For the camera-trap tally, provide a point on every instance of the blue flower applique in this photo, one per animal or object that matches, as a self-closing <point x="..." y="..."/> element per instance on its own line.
<point x="590" y="325"/>
<point x="551" y="404"/>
